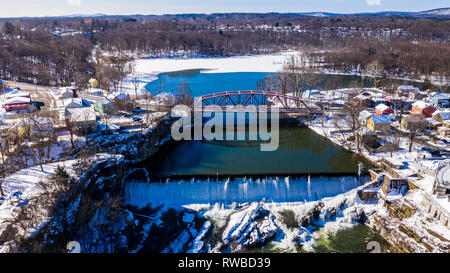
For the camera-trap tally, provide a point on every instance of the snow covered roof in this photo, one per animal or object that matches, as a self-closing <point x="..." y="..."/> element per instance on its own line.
<point x="105" y="101"/>
<point x="81" y="114"/>
<point x="364" y="115"/>
<point x="421" y="104"/>
<point x="17" y="93"/>
<point x="442" y="96"/>
<point x="408" y="87"/>
<point x="443" y="176"/>
<point x="382" y="107"/>
<point x="16" y="100"/>
<point x="433" y="121"/>
<point x="73" y="103"/>
<point x="445" y="115"/>
<point x="382" y="119"/>
<point x="121" y="96"/>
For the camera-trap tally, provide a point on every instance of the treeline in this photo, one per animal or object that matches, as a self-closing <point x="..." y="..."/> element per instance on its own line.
<point x="64" y="50"/>
<point x="425" y="61"/>
<point x="29" y="55"/>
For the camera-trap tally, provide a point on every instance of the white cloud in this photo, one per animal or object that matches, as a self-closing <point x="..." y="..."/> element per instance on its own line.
<point x="73" y="2"/>
<point x="373" y="2"/>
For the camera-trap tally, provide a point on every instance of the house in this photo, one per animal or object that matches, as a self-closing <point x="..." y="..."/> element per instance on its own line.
<point x="444" y="130"/>
<point x="405" y="90"/>
<point x="383" y="109"/>
<point x="169" y="98"/>
<point x="68" y="92"/>
<point x="17" y="103"/>
<point x="364" y="100"/>
<point x="83" y="120"/>
<point x="364" y="115"/>
<point x="411" y="92"/>
<point x="441" y="185"/>
<point x="104" y="106"/>
<point x="424" y="108"/>
<point x="417" y="121"/>
<point x="109" y="129"/>
<point x="441" y="116"/>
<point x="432" y="123"/>
<point x="17" y="93"/>
<point x="441" y="100"/>
<point x="379" y="123"/>
<point x="123" y="101"/>
<point x="93" y="83"/>
<point x="73" y="103"/>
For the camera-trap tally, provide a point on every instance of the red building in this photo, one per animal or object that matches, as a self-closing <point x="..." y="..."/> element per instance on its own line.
<point x="421" y="107"/>
<point x="17" y="103"/>
<point x="383" y="109"/>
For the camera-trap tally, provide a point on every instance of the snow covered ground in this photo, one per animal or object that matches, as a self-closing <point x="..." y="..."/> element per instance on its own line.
<point x="22" y="186"/>
<point x="147" y="69"/>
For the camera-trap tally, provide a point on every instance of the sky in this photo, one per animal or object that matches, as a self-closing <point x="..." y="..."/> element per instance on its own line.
<point x="38" y="8"/>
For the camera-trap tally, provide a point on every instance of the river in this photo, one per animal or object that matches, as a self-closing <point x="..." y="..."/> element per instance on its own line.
<point x="305" y="167"/>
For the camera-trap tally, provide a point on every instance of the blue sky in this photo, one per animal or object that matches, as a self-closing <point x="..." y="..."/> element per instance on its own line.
<point x="16" y="8"/>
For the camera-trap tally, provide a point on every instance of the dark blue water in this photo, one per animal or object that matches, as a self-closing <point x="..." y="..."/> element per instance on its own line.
<point x="206" y="83"/>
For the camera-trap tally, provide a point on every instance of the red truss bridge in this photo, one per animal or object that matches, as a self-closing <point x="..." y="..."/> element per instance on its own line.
<point x="238" y="101"/>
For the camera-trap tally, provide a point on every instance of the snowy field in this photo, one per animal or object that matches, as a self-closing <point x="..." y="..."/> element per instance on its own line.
<point x="147" y="69"/>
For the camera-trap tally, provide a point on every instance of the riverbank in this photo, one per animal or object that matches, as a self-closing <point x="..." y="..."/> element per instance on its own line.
<point x="402" y="219"/>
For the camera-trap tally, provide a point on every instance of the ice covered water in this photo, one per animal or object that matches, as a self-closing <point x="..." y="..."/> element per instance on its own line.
<point x="239" y="190"/>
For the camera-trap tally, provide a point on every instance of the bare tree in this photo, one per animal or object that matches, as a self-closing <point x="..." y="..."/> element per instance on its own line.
<point x="351" y="118"/>
<point x="185" y="93"/>
<point x="135" y="81"/>
<point x="295" y="77"/>
<point x="415" y="125"/>
<point x="41" y="135"/>
<point x="2" y="178"/>
<point x="374" y="70"/>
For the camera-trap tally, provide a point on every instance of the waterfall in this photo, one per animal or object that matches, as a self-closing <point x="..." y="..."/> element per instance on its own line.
<point x="225" y="187"/>
<point x="309" y="187"/>
<point x="286" y="180"/>
<point x="237" y="190"/>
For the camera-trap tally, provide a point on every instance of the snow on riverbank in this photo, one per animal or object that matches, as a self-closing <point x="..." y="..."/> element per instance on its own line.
<point x="147" y="69"/>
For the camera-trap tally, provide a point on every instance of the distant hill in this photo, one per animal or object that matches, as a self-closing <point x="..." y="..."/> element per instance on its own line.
<point x="441" y="12"/>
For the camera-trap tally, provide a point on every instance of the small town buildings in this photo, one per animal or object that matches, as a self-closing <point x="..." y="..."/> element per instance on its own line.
<point x="17" y="103"/>
<point x="432" y="123"/>
<point x="379" y="123"/>
<point x="410" y="92"/>
<point x="404" y="90"/>
<point x="424" y="108"/>
<point x="168" y="97"/>
<point x="441" y="185"/>
<point x="413" y="121"/>
<point x="83" y="120"/>
<point x="444" y="130"/>
<point x="104" y="106"/>
<point x="441" y="116"/>
<point x="17" y="93"/>
<point x="441" y="100"/>
<point x="123" y="101"/>
<point x="365" y="100"/>
<point x="109" y="129"/>
<point x="364" y="115"/>
<point x="68" y="92"/>
<point x="383" y="109"/>
<point x="73" y="103"/>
